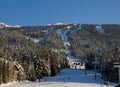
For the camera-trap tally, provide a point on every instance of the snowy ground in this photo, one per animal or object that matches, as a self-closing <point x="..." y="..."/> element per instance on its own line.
<point x="66" y="78"/>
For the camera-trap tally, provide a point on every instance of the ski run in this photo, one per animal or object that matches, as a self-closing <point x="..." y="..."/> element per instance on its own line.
<point x="66" y="78"/>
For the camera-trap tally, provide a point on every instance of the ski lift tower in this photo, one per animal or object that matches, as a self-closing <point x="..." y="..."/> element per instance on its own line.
<point x="95" y="66"/>
<point x="117" y="65"/>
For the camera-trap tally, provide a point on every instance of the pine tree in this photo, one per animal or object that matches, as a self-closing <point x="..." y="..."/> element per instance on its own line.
<point x="4" y="72"/>
<point x="7" y="67"/>
<point x="32" y="73"/>
<point x="1" y="71"/>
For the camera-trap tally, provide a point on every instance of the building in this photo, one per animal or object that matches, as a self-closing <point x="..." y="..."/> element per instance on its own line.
<point x="76" y="63"/>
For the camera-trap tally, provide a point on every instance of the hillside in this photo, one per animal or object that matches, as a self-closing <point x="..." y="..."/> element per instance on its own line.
<point x="66" y="78"/>
<point x="44" y="50"/>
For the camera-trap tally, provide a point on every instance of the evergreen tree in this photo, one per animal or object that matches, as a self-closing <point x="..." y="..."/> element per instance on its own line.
<point x="1" y="71"/>
<point x="7" y="67"/>
<point x="32" y="73"/>
<point x="4" y="72"/>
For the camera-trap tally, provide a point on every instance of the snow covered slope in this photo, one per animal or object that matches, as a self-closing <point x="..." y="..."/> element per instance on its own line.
<point x="65" y="35"/>
<point x="66" y="78"/>
<point x="5" y="25"/>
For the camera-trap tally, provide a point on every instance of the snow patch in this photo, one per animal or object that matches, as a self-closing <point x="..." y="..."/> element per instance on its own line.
<point x="49" y="24"/>
<point x="2" y="23"/>
<point x="68" y="27"/>
<point x="15" y="26"/>
<point x="59" y="32"/>
<point x="8" y="84"/>
<point x="55" y="50"/>
<point x="99" y="28"/>
<point x="45" y="31"/>
<point x="59" y="23"/>
<point x="36" y="40"/>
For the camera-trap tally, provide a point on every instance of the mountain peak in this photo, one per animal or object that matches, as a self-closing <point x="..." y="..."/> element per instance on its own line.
<point x="2" y="25"/>
<point x="59" y="23"/>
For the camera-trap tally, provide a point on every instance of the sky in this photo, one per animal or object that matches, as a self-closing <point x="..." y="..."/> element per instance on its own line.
<point x="42" y="12"/>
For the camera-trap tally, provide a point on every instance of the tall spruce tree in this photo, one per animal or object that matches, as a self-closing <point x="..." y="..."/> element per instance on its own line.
<point x="7" y="67"/>
<point x="1" y="64"/>
<point x="4" y="72"/>
<point x="32" y="73"/>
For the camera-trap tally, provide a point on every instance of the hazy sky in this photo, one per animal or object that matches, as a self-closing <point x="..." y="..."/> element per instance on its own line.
<point x="41" y="12"/>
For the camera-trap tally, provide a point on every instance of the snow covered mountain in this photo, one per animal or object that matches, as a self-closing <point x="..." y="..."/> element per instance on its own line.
<point x="51" y="48"/>
<point x="2" y="25"/>
<point x="78" y="39"/>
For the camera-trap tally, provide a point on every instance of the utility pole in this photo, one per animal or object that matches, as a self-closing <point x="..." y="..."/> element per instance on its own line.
<point x="85" y="66"/>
